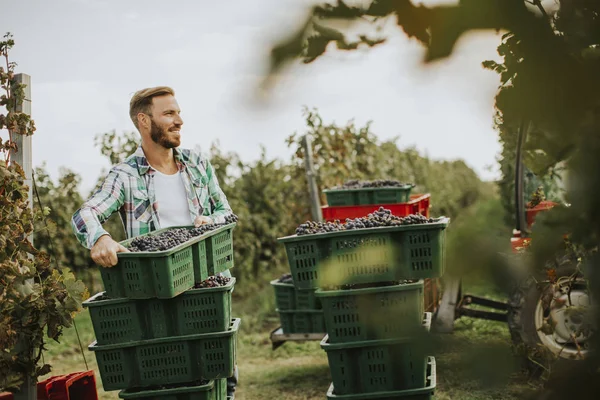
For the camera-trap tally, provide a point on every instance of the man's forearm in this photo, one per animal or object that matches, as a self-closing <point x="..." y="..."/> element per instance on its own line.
<point x="87" y="221"/>
<point x="87" y="227"/>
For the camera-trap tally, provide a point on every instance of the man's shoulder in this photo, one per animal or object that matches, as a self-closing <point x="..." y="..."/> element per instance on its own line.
<point x="195" y="156"/>
<point x="128" y="167"/>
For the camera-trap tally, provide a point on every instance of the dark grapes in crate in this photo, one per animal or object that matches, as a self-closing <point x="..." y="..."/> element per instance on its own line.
<point x="378" y="183"/>
<point x="174" y="237"/>
<point x="377" y="219"/>
<point x="213" y="281"/>
<point x="286" y="278"/>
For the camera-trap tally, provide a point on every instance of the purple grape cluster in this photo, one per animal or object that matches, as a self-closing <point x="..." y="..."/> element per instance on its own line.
<point x="213" y="281"/>
<point x="377" y="219"/>
<point x="174" y="237"/>
<point x="286" y="278"/>
<point x="161" y="242"/>
<point x="378" y="183"/>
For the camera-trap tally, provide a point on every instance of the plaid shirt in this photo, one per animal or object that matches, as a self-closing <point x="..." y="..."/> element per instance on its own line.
<point x="129" y="189"/>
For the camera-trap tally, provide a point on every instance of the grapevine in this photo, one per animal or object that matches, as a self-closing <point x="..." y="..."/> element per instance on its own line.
<point x="36" y="298"/>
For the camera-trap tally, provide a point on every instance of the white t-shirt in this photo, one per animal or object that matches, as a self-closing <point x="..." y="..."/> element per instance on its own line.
<point x="173" y="208"/>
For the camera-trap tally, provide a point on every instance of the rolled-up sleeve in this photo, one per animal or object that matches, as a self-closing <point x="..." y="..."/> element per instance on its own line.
<point x="87" y="221"/>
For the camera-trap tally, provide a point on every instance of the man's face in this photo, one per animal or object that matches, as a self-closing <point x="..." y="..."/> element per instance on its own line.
<point x="166" y="121"/>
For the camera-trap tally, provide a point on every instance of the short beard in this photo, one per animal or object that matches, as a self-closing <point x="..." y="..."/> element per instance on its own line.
<point x="159" y="136"/>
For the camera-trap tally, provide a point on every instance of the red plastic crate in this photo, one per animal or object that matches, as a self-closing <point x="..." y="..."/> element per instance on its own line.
<point x="419" y="203"/>
<point x="532" y="212"/>
<point x="75" y="386"/>
<point x="80" y="385"/>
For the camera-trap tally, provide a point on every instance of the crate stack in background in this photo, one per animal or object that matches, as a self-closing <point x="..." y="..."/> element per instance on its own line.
<point x="299" y="310"/>
<point x="356" y="203"/>
<point x="370" y="281"/>
<point x="163" y="326"/>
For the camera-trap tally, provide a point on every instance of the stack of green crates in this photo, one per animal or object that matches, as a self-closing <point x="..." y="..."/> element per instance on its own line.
<point x="158" y="337"/>
<point x="299" y="310"/>
<point x="370" y="285"/>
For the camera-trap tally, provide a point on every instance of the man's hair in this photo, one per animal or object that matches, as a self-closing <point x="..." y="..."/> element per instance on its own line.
<point x="142" y="101"/>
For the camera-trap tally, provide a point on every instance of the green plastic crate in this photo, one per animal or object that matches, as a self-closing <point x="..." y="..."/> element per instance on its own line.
<point x="168" y="360"/>
<point x="213" y="390"/>
<point x="122" y="320"/>
<point x="287" y="297"/>
<point x="213" y="252"/>
<point x="382" y="312"/>
<point x="302" y="321"/>
<point x="163" y="274"/>
<point x="423" y="393"/>
<point x="367" y="255"/>
<point x="378" y="365"/>
<point x="367" y="196"/>
<point x="219" y="250"/>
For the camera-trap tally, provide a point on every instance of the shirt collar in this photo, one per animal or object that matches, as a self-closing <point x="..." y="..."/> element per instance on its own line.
<point x="142" y="162"/>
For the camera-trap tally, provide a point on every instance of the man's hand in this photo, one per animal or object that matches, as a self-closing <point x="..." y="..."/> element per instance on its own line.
<point x="201" y="220"/>
<point x="105" y="251"/>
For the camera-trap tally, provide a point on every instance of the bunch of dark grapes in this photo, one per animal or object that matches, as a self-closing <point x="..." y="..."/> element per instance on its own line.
<point x="286" y="278"/>
<point x="378" y="183"/>
<point x="161" y="242"/>
<point x="310" y="227"/>
<point x="202" y="229"/>
<point x="231" y="218"/>
<point x="174" y="237"/>
<point x="213" y="281"/>
<point x="377" y="219"/>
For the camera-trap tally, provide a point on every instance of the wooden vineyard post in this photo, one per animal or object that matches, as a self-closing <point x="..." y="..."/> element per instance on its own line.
<point x="315" y="202"/>
<point x="23" y="156"/>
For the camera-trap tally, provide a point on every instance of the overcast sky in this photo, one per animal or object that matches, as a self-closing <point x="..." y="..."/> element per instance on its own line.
<point x="87" y="57"/>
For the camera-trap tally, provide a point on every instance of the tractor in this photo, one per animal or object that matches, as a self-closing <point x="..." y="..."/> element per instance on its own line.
<point x="545" y="309"/>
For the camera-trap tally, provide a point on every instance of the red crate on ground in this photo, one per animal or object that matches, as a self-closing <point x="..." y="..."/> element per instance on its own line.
<point x="75" y="386"/>
<point x="419" y="203"/>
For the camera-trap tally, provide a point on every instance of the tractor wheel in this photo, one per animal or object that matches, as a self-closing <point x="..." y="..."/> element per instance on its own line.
<point x="546" y="321"/>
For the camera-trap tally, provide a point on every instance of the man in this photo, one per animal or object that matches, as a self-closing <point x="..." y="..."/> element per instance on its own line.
<point x="158" y="186"/>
